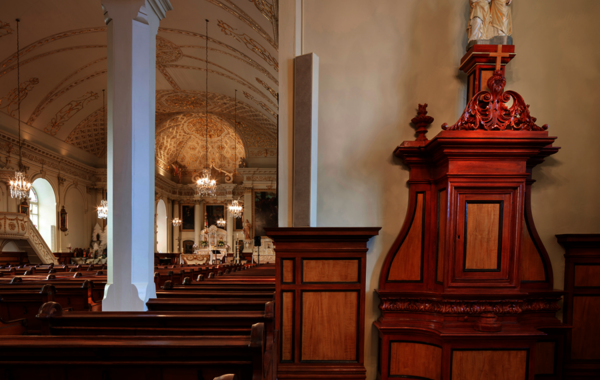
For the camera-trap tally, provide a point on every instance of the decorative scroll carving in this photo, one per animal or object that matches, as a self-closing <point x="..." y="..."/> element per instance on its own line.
<point x="488" y="110"/>
<point x="270" y="12"/>
<point x="10" y="101"/>
<point x="68" y="111"/>
<point x="267" y="87"/>
<point x="474" y="307"/>
<point x="250" y="44"/>
<point x="261" y="104"/>
<point x="244" y="17"/>
<point x="15" y="226"/>
<point x="5" y="29"/>
<point x="422" y="121"/>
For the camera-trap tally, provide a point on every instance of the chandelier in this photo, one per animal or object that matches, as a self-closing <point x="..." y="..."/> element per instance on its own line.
<point x="176" y="222"/>
<point x="205" y="185"/>
<point x="19" y="186"/>
<point x="235" y="209"/>
<point x="103" y="209"/>
<point x="221" y="222"/>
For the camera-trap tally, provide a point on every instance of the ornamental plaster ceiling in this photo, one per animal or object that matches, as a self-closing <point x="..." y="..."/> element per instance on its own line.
<point x="63" y="72"/>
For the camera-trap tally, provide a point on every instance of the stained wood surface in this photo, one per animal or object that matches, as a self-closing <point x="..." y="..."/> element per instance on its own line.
<point x="587" y="276"/>
<point x="415" y="359"/>
<point x="586" y="328"/>
<point x="442" y="235"/>
<point x="544" y="358"/>
<point x="288" y="270"/>
<point x="406" y="265"/>
<point x="532" y="267"/>
<point x="329" y="325"/>
<point x="330" y="270"/>
<point x="489" y="365"/>
<point x="483" y="221"/>
<point x="287" y="325"/>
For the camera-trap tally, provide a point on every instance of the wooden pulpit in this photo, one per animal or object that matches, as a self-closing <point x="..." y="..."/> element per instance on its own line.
<point x="320" y="298"/>
<point x="467" y="289"/>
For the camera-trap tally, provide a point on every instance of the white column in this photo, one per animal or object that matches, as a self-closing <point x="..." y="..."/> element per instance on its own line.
<point x="230" y="222"/>
<point x="248" y="208"/>
<point x="131" y="39"/>
<point x="176" y="238"/>
<point x="197" y="222"/>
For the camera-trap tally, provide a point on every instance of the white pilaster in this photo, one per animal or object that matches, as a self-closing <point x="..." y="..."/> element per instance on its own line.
<point x="197" y="222"/>
<point x="176" y="232"/>
<point x="131" y="38"/>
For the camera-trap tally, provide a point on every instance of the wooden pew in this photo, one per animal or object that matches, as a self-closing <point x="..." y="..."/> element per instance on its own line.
<point x="222" y="294"/>
<point x="56" y="322"/>
<point x="200" y="304"/>
<point x="15" y="327"/>
<point x="136" y="357"/>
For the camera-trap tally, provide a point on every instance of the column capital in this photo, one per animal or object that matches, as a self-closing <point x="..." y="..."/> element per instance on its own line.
<point x="135" y="8"/>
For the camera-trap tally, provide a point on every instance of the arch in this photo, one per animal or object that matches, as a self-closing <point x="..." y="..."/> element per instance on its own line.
<point x="161" y="226"/>
<point x="76" y="236"/>
<point x="46" y="202"/>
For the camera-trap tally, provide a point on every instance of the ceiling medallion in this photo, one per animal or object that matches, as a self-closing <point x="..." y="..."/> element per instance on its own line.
<point x="19" y="186"/>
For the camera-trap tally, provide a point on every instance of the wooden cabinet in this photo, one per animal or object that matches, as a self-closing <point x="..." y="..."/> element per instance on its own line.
<point x="582" y="305"/>
<point x="320" y="293"/>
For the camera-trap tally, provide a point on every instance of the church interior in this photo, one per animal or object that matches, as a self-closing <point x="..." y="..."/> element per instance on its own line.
<point x="299" y="189"/>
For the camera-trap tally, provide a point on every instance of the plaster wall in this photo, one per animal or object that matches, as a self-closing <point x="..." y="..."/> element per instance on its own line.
<point x="378" y="60"/>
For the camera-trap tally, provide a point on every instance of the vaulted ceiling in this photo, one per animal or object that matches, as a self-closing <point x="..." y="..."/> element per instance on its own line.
<point x="63" y="73"/>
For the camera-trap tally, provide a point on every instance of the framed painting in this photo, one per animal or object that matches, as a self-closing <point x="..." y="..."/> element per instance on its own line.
<point x="265" y="211"/>
<point x="238" y="224"/>
<point x="24" y="208"/>
<point x="187" y="217"/>
<point x="188" y="246"/>
<point x="214" y="213"/>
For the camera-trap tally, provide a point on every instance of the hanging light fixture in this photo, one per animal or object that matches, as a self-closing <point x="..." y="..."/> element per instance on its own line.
<point x="20" y="185"/>
<point x="205" y="185"/>
<point x="235" y="208"/>
<point x="221" y="222"/>
<point x="103" y="208"/>
<point x="176" y="222"/>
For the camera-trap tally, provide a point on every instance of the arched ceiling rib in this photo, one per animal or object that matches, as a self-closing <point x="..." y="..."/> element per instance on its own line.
<point x="63" y="72"/>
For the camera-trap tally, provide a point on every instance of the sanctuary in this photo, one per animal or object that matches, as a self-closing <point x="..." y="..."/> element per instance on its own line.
<point x="299" y="189"/>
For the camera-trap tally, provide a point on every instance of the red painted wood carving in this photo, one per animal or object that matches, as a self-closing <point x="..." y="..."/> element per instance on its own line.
<point x="488" y="110"/>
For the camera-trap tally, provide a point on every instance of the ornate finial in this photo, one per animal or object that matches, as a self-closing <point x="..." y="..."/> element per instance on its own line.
<point x="488" y="110"/>
<point x="422" y="121"/>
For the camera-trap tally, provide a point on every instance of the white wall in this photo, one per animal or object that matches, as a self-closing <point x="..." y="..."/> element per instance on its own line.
<point x="47" y="209"/>
<point x="379" y="59"/>
<point x="161" y="223"/>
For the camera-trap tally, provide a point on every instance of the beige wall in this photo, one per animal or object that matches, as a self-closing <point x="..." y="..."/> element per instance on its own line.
<point x="379" y="59"/>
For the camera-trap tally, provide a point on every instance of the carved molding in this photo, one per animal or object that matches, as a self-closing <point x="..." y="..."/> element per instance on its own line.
<point x="470" y="307"/>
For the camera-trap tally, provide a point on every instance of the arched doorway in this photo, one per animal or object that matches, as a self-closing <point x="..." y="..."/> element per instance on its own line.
<point x="161" y="223"/>
<point x="43" y="210"/>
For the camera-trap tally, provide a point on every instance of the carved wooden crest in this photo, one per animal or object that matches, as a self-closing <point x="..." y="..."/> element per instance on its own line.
<point x="488" y="110"/>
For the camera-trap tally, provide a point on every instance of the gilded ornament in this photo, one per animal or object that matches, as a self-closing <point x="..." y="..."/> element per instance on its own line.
<point x="251" y="44"/>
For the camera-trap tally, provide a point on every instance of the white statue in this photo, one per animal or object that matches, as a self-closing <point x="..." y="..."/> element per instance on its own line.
<point x="489" y="19"/>
<point x="501" y="18"/>
<point x="479" y="20"/>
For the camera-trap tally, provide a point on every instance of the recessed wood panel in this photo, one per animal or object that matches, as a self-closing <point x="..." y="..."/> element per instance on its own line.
<point x="489" y="365"/>
<point x="587" y="276"/>
<point x="532" y="267"/>
<point x="406" y="265"/>
<point x="287" y="326"/>
<point x="443" y="212"/>
<point x="586" y="328"/>
<point x="482" y="235"/>
<point x="329" y="325"/>
<point x="288" y="270"/>
<point x="330" y="270"/>
<point x="544" y="358"/>
<point x="409" y="359"/>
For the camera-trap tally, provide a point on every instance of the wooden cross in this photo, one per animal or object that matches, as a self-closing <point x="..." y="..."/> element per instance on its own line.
<point x="499" y="54"/>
